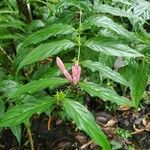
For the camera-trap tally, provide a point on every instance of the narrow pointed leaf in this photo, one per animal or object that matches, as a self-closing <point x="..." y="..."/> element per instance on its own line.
<point x="106" y="71"/>
<point x="11" y="25"/>
<point x="20" y="113"/>
<point x="17" y="132"/>
<point x="48" y="72"/>
<point x="138" y="83"/>
<point x="45" y="50"/>
<point x="86" y="122"/>
<point x="108" y="23"/>
<point x="45" y="33"/>
<point x="38" y="85"/>
<point x="111" y="47"/>
<point x="104" y="93"/>
<point x="8" y="11"/>
<point x="113" y="10"/>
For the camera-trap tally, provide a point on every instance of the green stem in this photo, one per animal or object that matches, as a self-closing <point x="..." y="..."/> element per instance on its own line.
<point x="79" y="38"/>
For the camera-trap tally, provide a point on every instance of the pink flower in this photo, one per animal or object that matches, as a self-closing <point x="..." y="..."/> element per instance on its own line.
<point x="63" y="69"/>
<point x="76" y="71"/>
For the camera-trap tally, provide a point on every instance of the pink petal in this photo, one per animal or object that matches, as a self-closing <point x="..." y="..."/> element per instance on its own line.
<point x="67" y="75"/>
<point x="60" y="64"/>
<point x="76" y="71"/>
<point x="75" y="81"/>
<point x="79" y="73"/>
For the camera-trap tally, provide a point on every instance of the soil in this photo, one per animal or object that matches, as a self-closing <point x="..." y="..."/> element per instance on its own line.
<point x="56" y="134"/>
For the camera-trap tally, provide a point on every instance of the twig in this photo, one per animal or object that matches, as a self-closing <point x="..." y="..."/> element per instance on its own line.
<point x="49" y="123"/>
<point x="85" y="145"/>
<point x="30" y="138"/>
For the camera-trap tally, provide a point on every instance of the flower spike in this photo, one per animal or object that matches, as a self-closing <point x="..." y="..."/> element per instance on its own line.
<point x="63" y="69"/>
<point x="76" y="71"/>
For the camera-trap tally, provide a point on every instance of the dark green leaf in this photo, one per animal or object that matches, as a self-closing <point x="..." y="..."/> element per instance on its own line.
<point x="138" y="83"/>
<point x="11" y="25"/>
<point x="38" y="85"/>
<point x="20" y="113"/>
<point x="113" y="10"/>
<point x="106" y="71"/>
<point x="2" y="107"/>
<point x="111" y="47"/>
<point x="48" y="71"/>
<point x="8" y="12"/>
<point x="45" y="33"/>
<point x="45" y="50"/>
<point x="86" y="122"/>
<point x="108" y="23"/>
<point x="104" y="93"/>
<point x="17" y="132"/>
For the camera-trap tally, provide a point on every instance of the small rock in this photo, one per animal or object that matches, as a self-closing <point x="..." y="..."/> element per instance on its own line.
<point x="65" y="145"/>
<point x="81" y="139"/>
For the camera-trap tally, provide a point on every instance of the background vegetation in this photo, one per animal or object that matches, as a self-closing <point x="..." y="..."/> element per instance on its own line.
<point x="109" y="39"/>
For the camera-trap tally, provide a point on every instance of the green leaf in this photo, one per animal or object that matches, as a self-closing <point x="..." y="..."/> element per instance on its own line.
<point x="45" y="33"/>
<point x="8" y="86"/>
<point x="138" y="82"/>
<point x="48" y="71"/>
<point x="108" y="23"/>
<point x="17" y="132"/>
<point x="45" y="50"/>
<point x="81" y="5"/>
<point x="8" y="12"/>
<point x="111" y="47"/>
<point x="38" y="85"/>
<point x="35" y="24"/>
<point x="113" y="10"/>
<point x="10" y="36"/>
<point x="104" y="93"/>
<point x="2" y="107"/>
<point x="142" y="9"/>
<point x="106" y="71"/>
<point x="86" y="122"/>
<point x="20" y="113"/>
<point x="11" y="25"/>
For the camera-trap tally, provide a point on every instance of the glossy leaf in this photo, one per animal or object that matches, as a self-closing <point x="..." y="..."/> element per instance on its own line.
<point x="38" y="85"/>
<point x="108" y="23"/>
<point x="45" y="50"/>
<point x="111" y="47"/>
<point x="86" y="122"/>
<point x="21" y="113"/>
<point x="106" y="71"/>
<point x="45" y="33"/>
<point x="104" y="93"/>
<point x="138" y="83"/>
<point x="8" y="86"/>
<point x="17" y="132"/>
<point x="113" y="10"/>
<point x="142" y="9"/>
<point x="48" y="71"/>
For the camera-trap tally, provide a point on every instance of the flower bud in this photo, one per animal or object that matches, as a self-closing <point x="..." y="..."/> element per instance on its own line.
<point x="60" y="64"/>
<point x="76" y="71"/>
<point x="67" y="75"/>
<point x="62" y="67"/>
